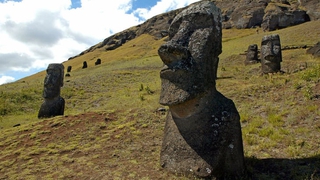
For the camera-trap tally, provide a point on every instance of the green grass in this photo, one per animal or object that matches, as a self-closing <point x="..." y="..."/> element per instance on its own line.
<point x="111" y="129"/>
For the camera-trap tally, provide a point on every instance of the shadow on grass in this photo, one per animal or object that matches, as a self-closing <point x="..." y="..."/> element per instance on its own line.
<point x="227" y="77"/>
<point x="278" y="169"/>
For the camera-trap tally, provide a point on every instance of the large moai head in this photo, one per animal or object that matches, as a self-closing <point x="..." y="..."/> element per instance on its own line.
<point x="98" y="61"/>
<point x="69" y="68"/>
<point x="190" y="56"/>
<point x="202" y="135"/>
<point x="252" y="54"/>
<point x="271" y="56"/>
<point x="53" y="104"/>
<point x="85" y="65"/>
<point x="53" y="81"/>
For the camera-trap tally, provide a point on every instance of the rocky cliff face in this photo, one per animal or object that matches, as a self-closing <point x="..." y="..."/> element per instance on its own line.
<point x="268" y="14"/>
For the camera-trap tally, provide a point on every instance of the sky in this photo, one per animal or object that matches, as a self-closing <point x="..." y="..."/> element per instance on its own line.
<point x="35" y="33"/>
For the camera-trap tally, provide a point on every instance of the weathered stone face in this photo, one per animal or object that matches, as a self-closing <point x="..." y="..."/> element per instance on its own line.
<point x="252" y="54"/>
<point x="271" y="56"/>
<point x="98" y="61"/>
<point x="69" y="68"/>
<point x="191" y="54"/>
<point x="315" y="50"/>
<point x="202" y="133"/>
<point x="53" y="104"/>
<point x="53" y="81"/>
<point x="85" y="65"/>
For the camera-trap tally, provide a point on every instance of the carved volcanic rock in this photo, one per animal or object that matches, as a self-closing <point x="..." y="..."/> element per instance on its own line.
<point x="202" y="133"/>
<point x="252" y="54"/>
<point x="315" y="50"/>
<point x="53" y="104"/>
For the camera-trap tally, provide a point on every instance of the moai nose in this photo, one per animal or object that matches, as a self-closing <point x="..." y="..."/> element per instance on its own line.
<point x="171" y="53"/>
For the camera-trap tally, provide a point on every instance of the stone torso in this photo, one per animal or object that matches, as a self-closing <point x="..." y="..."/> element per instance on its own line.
<point x="205" y="143"/>
<point x="51" y="108"/>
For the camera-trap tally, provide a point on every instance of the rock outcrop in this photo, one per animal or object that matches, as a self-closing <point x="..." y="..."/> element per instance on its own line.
<point x="279" y="16"/>
<point x="240" y="14"/>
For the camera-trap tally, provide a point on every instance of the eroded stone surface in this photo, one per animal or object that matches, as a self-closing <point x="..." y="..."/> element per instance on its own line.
<point x="202" y="132"/>
<point x="53" y="104"/>
<point x="271" y="56"/>
<point x="315" y="50"/>
<point x="252" y="54"/>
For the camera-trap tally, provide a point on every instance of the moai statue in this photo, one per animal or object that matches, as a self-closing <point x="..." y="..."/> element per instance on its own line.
<point x="69" y="68"/>
<point x="85" y="65"/>
<point x="53" y="104"/>
<point x="252" y="54"/>
<point x="271" y="56"/>
<point x="202" y="135"/>
<point x="98" y="61"/>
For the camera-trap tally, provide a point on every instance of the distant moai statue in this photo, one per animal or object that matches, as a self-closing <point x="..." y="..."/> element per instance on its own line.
<point x="271" y="56"/>
<point x="53" y="104"/>
<point x="202" y="134"/>
<point x="98" y="61"/>
<point x="85" y="65"/>
<point x="69" y="68"/>
<point x="252" y="54"/>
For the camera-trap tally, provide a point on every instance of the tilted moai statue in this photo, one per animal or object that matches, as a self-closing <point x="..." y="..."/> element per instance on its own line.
<point x="53" y="104"/>
<point x="98" y="61"/>
<point x="271" y="56"/>
<point x="85" y="65"/>
<point x="202" y="135"/>
<point x="252" y="54"/>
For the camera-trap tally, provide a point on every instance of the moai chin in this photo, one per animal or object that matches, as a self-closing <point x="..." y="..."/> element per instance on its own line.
<point x="53" y="104"/>
<point x="271" y="56"/>
<point x="252" y="54"/>
<point x="202" y="135"/>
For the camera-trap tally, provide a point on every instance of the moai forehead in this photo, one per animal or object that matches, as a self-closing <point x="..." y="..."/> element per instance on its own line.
<point x="57" y="70"/>
<point x="204" y="15"/>
<point x="271" y="55"/>
<point x="272" y="37"/>
<point x="191" y="54"/>
<point x="253" y="47"/>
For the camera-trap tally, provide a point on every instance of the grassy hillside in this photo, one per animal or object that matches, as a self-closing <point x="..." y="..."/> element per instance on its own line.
<point x="111" y="129"/>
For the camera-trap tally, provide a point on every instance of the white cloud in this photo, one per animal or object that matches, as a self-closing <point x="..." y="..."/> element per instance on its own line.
<point x="34" y="33"/>
<point x="6" y="79"/>
<point x="161" y="7"/>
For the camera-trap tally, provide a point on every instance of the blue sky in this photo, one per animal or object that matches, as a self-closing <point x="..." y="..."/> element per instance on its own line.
<point x="135" y="4"/>
<point x="35" y="33"/>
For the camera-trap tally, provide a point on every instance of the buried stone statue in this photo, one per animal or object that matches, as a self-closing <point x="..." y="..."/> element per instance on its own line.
<point x="271" y="56"/>
<point x="252" y="54"/>
<point x="202" y="135"/>
<point x="53" y="104"/>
